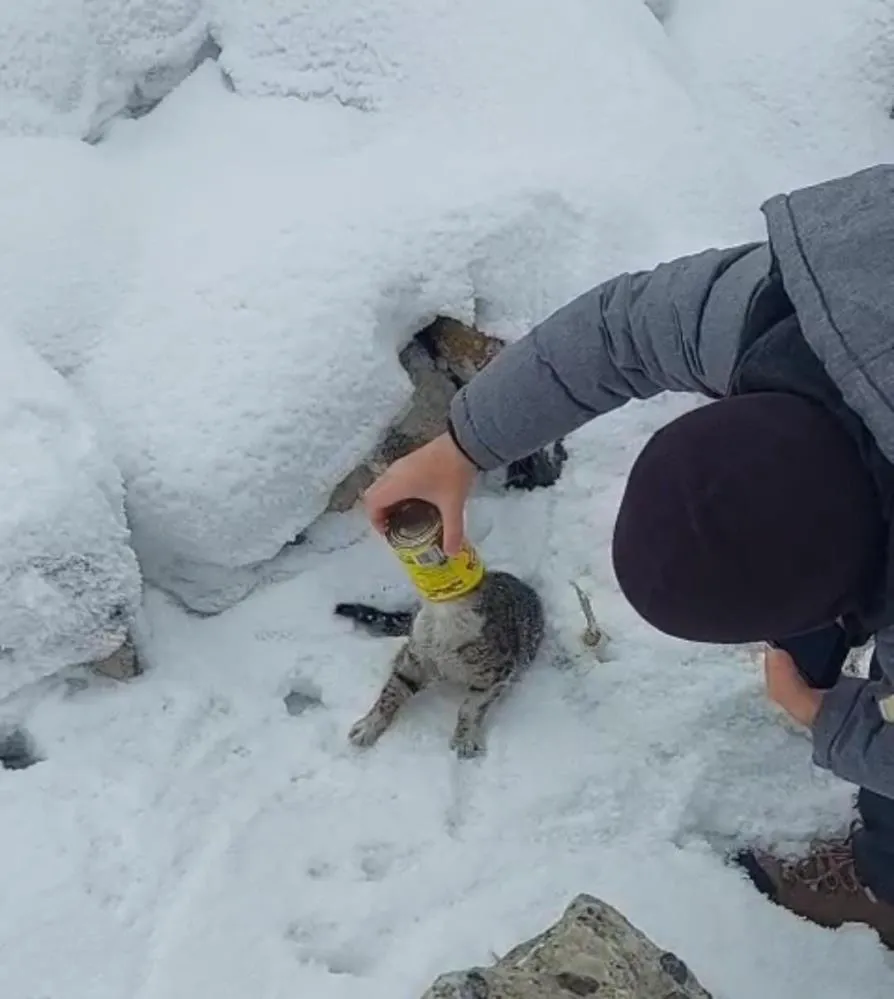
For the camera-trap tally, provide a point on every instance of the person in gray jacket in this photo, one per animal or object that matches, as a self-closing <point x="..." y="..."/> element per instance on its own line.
<point x="764" y="515"/>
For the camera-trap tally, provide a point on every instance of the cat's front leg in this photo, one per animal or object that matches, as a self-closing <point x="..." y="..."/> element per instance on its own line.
<point x="407" y="677"/>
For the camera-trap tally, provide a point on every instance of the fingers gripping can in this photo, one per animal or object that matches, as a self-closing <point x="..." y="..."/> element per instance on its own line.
<point x="416" y="535"/>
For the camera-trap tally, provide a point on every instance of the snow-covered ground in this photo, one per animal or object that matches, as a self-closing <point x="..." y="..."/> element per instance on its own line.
<point x="223" y="283"/>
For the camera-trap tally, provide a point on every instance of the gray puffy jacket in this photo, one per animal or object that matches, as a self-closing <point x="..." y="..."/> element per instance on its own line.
<point x="679" y="328"/>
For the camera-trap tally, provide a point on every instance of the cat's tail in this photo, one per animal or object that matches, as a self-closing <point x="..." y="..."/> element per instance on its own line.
<point x="386" y="624"/>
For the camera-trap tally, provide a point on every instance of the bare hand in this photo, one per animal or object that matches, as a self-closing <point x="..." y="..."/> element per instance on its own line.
<point x="787" y="688"/>
<point x="437" y="472"/>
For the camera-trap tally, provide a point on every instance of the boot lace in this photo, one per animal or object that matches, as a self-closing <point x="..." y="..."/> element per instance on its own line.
<point x="829" y="867"/>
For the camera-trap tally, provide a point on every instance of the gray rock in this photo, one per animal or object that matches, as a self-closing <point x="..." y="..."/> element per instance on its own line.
<point x="424" y="419"/>
<point x="591" y="951"/>
<point x="122" y="664"/>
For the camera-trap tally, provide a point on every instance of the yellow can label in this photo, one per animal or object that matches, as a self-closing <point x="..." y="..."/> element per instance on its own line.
<point x="440" y="577"/>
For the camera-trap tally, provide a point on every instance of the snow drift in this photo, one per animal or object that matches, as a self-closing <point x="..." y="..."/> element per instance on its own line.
<point x="69" y="582"/>
<point x="810" y="92"/>
<point x="224" y="284"/>
<point x="68" y="66"/>
<point x="283" y="251"/>
<point x="230" y="283"/>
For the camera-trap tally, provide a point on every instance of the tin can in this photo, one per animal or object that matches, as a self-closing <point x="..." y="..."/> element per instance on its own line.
<point x="416" y="535"/>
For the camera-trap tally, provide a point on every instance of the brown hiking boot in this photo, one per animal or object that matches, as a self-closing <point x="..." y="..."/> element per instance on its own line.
<point x="822" y="887"/>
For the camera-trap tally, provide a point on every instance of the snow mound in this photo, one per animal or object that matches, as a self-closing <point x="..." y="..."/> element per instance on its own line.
<point x="69" y="582"/>
<point x="400" y="56"/>
<point x="224" y="285"/>
<point x="66" y="66"/>
<point x="66" y="246"/>
<point x="188" y="836"/>
<point x="286" y="252"/>
<point x="253" y="361"/>
<point x="815" y="103"/>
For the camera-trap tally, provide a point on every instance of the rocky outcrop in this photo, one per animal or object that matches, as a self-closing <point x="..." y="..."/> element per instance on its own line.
<point x="591" y="951"/>
<point x="439" y="360"/>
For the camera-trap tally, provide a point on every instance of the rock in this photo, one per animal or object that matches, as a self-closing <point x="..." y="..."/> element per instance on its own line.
<point x="350" y="489"/>
<point x="122" y="664"/>
<point x="460" y="350"/>
<point x="440" y="359"/>
<point x="591" y="951"/>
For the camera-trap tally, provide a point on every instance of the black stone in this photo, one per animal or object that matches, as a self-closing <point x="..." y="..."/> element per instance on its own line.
<point x="475" y="986"/>
<point x="673" y="966"/>
<point x="577" y="985"/>
<point x="539" y="470"/>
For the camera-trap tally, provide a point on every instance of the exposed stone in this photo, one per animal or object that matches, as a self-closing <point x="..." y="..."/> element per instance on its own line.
<point x="538" y="470"/>
<point x="122" y="664"/>
<point x="440" y="359"/>
<point x="460" y="350"/>
<point x="591" y="951"/>
<point x="350" y="489"/>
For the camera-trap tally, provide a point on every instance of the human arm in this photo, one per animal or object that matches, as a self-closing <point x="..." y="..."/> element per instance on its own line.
<point x="674" y="328"/>
<point x="677" y="327"/>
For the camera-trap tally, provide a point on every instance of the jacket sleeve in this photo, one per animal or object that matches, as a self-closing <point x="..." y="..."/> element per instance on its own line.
<point x="851" y="736"/>
<point x="674" y="328"/>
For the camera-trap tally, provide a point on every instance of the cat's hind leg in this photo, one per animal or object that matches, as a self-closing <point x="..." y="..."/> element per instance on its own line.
<point x="468" y="738"/>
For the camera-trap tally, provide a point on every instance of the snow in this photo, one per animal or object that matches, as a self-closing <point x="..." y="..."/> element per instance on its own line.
<point x="68" y="66"/>
<point x="203" y="311"/>
<point x="810" y="103"/>
<point x="276" y="247"/>
<point x="69" y="581"/>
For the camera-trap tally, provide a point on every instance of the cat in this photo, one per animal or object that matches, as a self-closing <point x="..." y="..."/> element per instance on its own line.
<point x="481" y="641"/>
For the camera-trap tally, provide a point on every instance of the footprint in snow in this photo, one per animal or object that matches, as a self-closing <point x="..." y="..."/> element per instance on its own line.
<point x="17" y="750"/>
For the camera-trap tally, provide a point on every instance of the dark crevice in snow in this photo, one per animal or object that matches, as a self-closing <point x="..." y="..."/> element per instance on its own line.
<point x="152" y="88"/>
<point x="17" y="750"/>
<point x="662" y="9"/>
<point x="161" y="80"/>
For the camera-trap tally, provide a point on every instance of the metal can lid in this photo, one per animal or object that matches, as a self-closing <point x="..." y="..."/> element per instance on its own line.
<point x="413" y="522"/>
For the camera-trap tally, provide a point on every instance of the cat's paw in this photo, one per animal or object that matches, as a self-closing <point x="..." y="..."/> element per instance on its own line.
<point x="367" y="730"/>
<point x="467" y="745"/>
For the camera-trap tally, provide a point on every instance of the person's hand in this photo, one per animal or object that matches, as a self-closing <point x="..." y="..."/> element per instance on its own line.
<point x="437" y="472"/>
<point x="787" y="688"/>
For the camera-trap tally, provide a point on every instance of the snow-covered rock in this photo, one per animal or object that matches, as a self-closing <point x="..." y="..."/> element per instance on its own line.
<point x="591" y="951"/>
<point x="285" y="251"/>
<point x="69" y="582"/>
<point x="228" y="282"/>
<point x="67" y="246"/>
<point x="67" y="66"/>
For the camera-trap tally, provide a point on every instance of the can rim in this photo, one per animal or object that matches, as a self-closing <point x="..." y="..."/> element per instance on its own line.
<point x="421" y="530"/>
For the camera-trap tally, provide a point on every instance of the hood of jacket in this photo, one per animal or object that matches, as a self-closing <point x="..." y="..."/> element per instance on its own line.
<point x="834" y="244"/>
